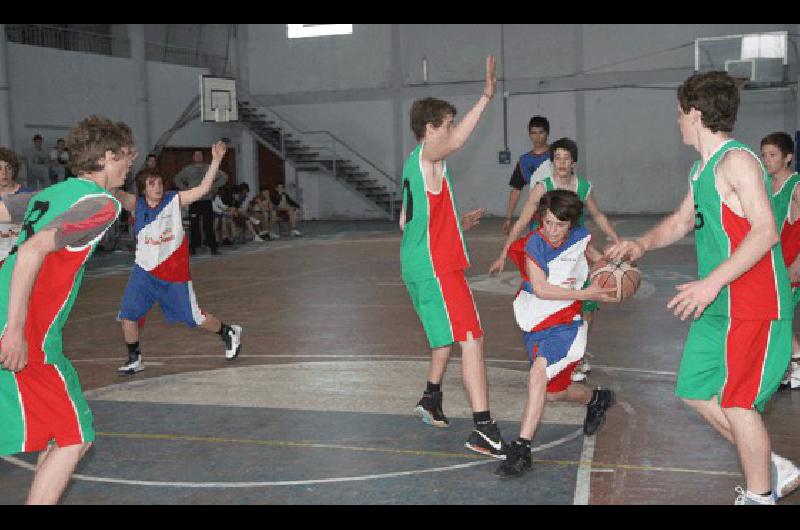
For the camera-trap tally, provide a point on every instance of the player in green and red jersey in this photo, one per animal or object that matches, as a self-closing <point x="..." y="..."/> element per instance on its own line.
<point x="433" y="257"/>
<point x="777" y="151"/>
<point x="739" y="341"/>
<point x="42" y="407"/>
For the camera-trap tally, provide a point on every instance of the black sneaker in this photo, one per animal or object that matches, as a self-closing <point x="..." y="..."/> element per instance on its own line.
<point x="486" y="440"/>
<point x="518" y="461"/>
<point x="429" y="409"/>
<point x="602" y="400"/>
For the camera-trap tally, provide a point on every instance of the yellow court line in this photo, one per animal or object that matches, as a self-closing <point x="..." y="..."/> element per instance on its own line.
<point x="596" y="466"/>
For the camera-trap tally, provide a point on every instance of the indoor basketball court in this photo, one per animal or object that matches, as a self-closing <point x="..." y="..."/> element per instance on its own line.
<point x="317" y="408"/>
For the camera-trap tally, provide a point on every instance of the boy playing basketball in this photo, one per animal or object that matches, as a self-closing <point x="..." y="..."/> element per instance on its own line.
<point x="564" y="157"/>
<point x="777" y="151"/>
<point x="739" y="342"/>
<point x="433" y="257"/>
<point x="548" y="309"/>
<point x="41" y="401"/>
<point x="161" y="271"/>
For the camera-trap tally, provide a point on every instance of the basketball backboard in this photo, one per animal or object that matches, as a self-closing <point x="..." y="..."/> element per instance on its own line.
<point x="218" y="99"/>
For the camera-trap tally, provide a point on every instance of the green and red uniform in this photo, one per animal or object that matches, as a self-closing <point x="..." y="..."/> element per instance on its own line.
<point x="739" y="348"/>
<point x="44" y="401"/>
<point x="433" y="257"/>
<point x="789" y="231"/>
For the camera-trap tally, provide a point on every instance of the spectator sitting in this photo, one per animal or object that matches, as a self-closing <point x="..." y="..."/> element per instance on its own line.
<point x="282" y="203"/>
<point x="242" y="215"/>
<point x="38" y="162"/>
<point x="260" y="208"/>
<point x="59" y="162"/>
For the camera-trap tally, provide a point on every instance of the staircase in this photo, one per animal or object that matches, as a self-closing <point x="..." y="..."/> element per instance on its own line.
<point x="319" y="151"/>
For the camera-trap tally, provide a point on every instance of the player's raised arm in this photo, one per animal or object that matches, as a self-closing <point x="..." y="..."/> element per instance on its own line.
<point x="127" y="200"/>
<point x="463" y="130"/>
<point x="189" y="196"/>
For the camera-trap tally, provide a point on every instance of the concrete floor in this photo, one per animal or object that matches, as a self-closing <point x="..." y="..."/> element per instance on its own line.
<point x="317" y="408"/>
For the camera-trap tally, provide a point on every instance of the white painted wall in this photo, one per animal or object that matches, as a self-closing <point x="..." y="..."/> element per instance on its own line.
<point x="53" y="89"/>
<point x="628" y="139"/>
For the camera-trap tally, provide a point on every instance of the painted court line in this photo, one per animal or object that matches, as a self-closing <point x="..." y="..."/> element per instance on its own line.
<point x="583" y="481"/>
<point x="369" y="356"/>
<point x="21" y="463"/>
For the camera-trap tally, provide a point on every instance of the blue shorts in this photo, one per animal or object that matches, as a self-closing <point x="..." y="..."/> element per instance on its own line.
<point x="560" y="345"/>
<point x="176" y="299"/>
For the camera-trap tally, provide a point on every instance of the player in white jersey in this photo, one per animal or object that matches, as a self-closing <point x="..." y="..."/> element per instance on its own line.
<point x="9" y="165"/>
<point x="161" y="272"/>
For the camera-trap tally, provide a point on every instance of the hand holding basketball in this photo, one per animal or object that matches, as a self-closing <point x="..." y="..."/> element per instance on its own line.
<point x="601" y="294"/>
<point x="623" y="248"/>
<point x="620" y="276"/>
<point x="693" y="297"/>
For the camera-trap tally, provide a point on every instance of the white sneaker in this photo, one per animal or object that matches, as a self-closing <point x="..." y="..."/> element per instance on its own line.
<point x="274" y="235"/>
<point x="578" y="376"/>
<point x="296" y="233"/>
<point x="584" y="367"/>
<point x="257" y="239"/>
<point x="748" y="498"/>
<point x="785" y="477"/>
<point x="133" y="365"/>
<point x="233" y="342"/>
<point x="792" y="376"/>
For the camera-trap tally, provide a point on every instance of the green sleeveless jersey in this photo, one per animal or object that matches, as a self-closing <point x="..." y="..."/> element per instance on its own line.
<point x="60" y="275"/>
<point x="433" y="243"/>
<point x="761" y="293"/>
<point x="583" y="190"/>
<point x="783" y="198"/>
<point x="790" y="232"/>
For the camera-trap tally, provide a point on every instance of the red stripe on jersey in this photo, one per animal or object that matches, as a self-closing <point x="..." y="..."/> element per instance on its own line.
<point x="48" y="409"/>
<point x="517" y="254"/>
<point x="447" y="249"/>
<point x="460" y="306"/>
<point x="176" y="267"/>
<point x="790" y="243"/>
<point x="745" y="351"/>
<point x="52" y="287"/>
<point x="562" y="316"/>
<point x="753" y="295"/>
<point x="107" y="214"/>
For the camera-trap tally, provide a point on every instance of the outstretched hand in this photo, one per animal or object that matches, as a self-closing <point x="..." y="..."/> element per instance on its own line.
<point x="625" y="247"/>
<point x="218" y="151"/>
<point x="490" y="76"/>
<point x="472" y="219"/>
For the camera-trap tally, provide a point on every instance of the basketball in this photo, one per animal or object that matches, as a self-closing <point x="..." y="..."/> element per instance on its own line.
<point x="622" y="275"/>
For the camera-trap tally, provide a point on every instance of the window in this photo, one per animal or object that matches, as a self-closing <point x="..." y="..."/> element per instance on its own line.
<point x="297" y="31"/>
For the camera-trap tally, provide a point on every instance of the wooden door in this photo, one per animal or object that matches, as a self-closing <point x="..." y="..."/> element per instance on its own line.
<point x="270" y="168"/>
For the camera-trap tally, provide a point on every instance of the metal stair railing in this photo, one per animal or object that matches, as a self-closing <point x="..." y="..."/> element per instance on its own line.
<point x="318" y="142"/>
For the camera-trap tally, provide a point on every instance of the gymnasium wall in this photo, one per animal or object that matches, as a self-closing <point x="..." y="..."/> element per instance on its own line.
<point x="53" y="89"/>
<point x="361" y="86"/>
